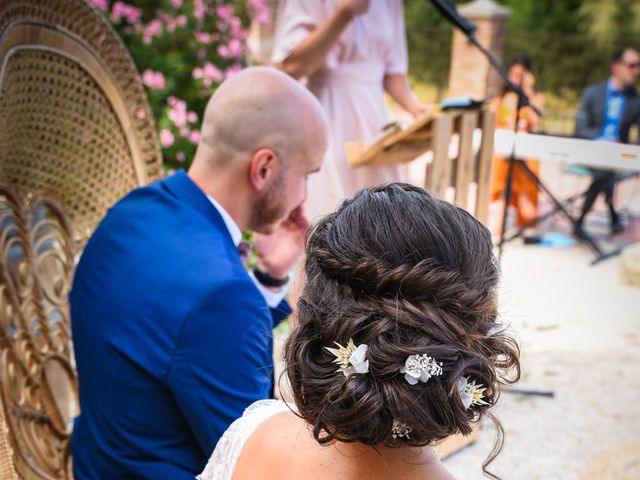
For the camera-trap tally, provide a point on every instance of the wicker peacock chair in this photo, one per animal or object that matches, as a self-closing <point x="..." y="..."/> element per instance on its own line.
<point x="74" y="120"/>
<point x="76" y="133"/>
<point x="37" y="379"/>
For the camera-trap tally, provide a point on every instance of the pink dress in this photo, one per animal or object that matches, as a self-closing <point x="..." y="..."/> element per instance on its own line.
<point x="350" y="87"/>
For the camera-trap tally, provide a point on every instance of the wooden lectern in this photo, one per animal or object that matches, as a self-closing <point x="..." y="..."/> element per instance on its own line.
<point x="469" y="166"/>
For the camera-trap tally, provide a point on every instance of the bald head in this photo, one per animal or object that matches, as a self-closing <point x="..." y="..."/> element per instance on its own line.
<point x="263" y="134"/>
<point x="259" y="108"/>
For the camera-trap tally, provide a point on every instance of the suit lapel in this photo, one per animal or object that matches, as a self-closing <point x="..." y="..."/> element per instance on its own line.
<point x="600" y="104"/>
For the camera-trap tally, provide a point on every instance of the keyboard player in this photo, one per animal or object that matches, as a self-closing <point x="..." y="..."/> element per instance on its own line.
<point x="607" y="112"/>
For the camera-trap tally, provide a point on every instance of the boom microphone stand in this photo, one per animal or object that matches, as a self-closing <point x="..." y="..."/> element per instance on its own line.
<point x="449" y="11"/>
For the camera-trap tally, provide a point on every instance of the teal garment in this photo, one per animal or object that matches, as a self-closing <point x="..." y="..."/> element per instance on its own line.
<point x="614" y="107"/>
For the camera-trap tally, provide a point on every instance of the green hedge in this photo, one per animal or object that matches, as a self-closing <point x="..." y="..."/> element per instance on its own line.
<point x="564" y="69"/>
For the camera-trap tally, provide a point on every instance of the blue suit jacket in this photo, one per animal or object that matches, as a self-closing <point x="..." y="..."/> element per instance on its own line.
<point x="172" y="338"/>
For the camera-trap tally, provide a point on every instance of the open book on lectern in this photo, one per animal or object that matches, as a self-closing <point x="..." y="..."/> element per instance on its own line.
<point x="394" y="145"/>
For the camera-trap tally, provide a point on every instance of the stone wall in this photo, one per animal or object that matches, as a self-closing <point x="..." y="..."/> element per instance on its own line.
<point x="471" y="75"/>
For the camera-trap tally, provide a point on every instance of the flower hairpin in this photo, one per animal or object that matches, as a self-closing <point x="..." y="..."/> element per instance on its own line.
<point x="470" y="393"/>
<point x="400" y="429"/>
<point x="351" y="359"/>
<point x="421" y="368"/>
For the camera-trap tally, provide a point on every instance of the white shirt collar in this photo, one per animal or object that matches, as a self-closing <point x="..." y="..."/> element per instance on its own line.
<point x="232" y="226"/>
<point x="272" y="298"/>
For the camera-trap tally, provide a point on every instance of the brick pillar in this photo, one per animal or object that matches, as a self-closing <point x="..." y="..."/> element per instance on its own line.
<point x="471" y="75"/>
<point x="261" y="36"/>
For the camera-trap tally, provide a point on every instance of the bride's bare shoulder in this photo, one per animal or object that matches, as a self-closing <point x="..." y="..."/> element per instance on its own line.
<point x="276" y="447"/>
<point x="283" y="447"/>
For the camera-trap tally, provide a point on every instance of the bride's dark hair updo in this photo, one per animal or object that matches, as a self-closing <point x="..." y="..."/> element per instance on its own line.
<point x="404" y="273"/>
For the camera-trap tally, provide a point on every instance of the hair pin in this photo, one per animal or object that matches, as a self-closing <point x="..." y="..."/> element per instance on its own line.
<point x="421" y="368"/>
<point x="400" y="429"/>
<point x="351" y="359"/>
<point x="470" y="393"/>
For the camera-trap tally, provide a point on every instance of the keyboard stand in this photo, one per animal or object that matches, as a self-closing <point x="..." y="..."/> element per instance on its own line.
<point x="558" y="208"/>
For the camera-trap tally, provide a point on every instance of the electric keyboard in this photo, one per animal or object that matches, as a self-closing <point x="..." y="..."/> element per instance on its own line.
<point x="591" y="153"/>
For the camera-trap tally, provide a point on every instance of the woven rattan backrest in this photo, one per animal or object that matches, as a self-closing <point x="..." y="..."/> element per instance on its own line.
<point x="76" y="133"/>
<point x="37" y="378"/>
<point x="7" y="469"/>
<point x="74" y="121"/>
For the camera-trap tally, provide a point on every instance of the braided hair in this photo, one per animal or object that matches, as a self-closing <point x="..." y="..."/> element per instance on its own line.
<point x="404" y="273"/>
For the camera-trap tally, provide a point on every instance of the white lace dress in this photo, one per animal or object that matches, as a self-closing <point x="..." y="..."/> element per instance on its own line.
<point x="223" y="461"/>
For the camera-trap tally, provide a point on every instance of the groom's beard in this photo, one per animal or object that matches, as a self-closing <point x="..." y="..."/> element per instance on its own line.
<point x="270" y="208"/>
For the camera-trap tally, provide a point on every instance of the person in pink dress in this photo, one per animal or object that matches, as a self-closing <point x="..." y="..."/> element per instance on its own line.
<point x="350" y="52"/>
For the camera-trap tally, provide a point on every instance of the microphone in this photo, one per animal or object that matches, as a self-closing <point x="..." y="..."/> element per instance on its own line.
<point x="448" y="10"/>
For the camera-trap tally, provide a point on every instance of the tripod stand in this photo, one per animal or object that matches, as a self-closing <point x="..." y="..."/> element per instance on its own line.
<point x="558" y="207"/>
<point x="450" y="12"/>
<point x="516" y="163"/>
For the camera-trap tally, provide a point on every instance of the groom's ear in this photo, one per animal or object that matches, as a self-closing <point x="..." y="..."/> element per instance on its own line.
<point x="263" y="168"/>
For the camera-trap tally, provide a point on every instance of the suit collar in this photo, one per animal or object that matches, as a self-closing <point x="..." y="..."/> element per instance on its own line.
<point x="185" y="189"/>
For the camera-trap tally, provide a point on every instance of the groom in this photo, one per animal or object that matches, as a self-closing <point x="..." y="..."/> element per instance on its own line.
<point x="172" y="335"/>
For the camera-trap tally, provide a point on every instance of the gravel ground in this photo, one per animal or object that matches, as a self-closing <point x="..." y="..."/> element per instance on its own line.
<point x="579" y="328"/>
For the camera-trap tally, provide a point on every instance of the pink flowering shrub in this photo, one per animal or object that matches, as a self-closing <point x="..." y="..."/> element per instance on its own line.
<point x="183" y="49"/>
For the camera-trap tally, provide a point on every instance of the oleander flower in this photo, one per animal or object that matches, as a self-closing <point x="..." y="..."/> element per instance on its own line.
<point x="174" y="42"/>
<point x="153" y="79"/>
<point x="101" y="4"/>
<point x="166" y="138"/>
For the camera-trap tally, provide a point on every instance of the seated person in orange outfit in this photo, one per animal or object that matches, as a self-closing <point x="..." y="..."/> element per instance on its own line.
<point x="524" y="194"/>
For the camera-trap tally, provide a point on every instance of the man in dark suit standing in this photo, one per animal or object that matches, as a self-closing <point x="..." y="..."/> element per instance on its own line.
<point x="172" y="335"/>
<point x="607" y="112"/>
